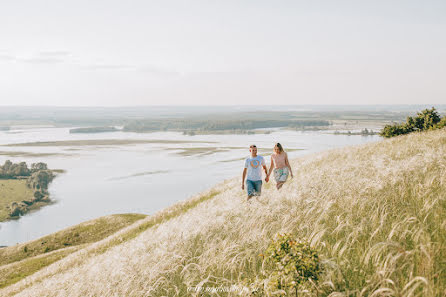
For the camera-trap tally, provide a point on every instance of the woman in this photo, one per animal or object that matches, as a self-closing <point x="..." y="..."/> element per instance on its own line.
<point x="279" y="161"/>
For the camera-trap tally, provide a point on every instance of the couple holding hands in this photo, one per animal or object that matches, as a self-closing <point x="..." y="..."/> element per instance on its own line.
<point x="253" y="170"/>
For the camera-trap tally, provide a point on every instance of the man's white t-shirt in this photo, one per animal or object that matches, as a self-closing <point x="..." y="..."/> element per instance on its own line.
<point x="254" y="166"/>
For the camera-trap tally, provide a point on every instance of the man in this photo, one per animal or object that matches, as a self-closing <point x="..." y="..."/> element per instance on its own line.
<point x="253" y="171"/>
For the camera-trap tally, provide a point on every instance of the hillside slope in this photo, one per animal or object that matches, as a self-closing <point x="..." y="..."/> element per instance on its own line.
<point x="376" y="213"/>
<point x="20" y="260"/>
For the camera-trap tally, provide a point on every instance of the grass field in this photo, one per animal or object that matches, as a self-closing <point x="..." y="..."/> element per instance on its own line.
<point x="12" y="190"/>
<point x="19" y="261"/>
<point x="376" y="214"/>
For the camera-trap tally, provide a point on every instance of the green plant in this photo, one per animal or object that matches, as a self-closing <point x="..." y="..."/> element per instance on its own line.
<point x="293" y="264"/>
<point x="427" y="119"/>
<point x="441" y="124"/>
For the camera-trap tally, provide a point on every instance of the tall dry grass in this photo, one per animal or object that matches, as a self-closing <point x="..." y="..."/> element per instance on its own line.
<point x="376" y="213"/>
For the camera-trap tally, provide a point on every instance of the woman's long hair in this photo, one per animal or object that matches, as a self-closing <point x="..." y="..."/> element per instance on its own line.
<point x="279" y="146"/>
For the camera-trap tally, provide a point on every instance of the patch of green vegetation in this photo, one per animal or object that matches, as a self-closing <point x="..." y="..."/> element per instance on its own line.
<point x="101" y="142"/>
<point x="93" y="130"/>
<point x="12" y="190"/>
<point x="19" y="261"/>
<point x="36" y="180"/>
<point x="87" y="232"/>
<point x="13" y="273"/>
<point x="291" y="265"/>
<point x="238" y="123"/>
<point x="428" y="119"/>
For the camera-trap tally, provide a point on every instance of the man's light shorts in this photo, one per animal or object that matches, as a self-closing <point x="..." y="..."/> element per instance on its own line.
<point x="281" y="174"/>
<point x="254" y="187"/>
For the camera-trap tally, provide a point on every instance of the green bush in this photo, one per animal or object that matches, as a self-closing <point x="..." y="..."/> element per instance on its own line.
<point x="441" y="124"/>
<point x="291" y="265"/>
<point x="427" y="119"/>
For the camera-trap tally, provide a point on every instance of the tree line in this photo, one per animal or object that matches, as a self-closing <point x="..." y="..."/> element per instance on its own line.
<point x="215" y="125"/>
<point x="14" y="170"/>
<point x="428" y="119"/>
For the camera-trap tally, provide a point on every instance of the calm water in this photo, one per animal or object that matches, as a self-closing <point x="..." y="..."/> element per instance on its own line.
<point x="140" y="178"/>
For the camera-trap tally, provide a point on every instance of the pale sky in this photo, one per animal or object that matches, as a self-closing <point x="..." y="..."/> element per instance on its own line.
<point x="143" y="52"/>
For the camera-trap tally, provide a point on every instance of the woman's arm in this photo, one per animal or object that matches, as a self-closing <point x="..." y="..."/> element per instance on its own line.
<point x="271" y="166"/>
<point x="287" y="163"/>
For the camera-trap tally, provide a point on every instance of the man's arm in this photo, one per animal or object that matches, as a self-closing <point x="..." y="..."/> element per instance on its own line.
<point x="266" y="173"/>
<point x="243" y="178"/>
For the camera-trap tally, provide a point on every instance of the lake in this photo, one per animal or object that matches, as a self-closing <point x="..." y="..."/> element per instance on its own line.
<point x="151" y="173"/>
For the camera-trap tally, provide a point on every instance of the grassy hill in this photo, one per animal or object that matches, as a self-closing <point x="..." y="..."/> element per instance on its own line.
<point x="19" y="261"/>
<point x="376" y="213"/>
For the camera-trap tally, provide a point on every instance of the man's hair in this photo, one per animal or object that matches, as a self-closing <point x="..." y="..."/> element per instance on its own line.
<point x="252" y="145"/>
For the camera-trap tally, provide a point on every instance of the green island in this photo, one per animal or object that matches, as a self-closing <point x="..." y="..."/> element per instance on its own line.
<point x="219" y="125"/>
<point x="23" y="189"/>
<point x="93" y="130"/>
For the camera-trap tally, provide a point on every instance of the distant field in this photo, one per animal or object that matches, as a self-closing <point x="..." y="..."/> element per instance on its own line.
<point x="12" y="190"/>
